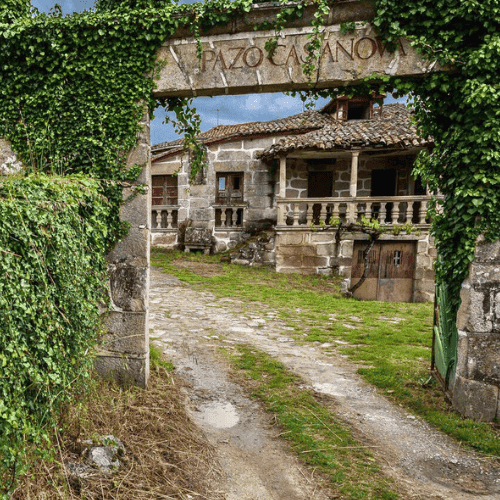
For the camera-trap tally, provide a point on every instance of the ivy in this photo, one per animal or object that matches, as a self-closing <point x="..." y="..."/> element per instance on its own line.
<point x="73" y="90"/>
<point x="53" y="241"/>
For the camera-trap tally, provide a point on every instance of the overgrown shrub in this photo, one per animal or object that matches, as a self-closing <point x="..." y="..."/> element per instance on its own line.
<point x="53" y="242"/>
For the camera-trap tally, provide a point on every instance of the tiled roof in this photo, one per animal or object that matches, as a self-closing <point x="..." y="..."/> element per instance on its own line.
<point x="394" y="128"/>
<point x="302" y="122"/>
<point x="317" y="131"/>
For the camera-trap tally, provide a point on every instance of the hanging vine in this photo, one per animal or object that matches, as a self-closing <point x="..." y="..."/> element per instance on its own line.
<point x="73" y="89"/>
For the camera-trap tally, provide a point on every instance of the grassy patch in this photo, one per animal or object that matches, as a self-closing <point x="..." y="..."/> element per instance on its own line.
<point x="315" y="434"/>
<point x="166" y="456"/>
<point x="390" y="341"/>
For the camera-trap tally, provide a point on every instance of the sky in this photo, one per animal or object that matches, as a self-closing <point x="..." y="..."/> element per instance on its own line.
<point x="220" y="110"/>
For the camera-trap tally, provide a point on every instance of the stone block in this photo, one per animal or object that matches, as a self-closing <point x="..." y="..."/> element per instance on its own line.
<point x="231" y="145"/>
<point x="125" y="332"/>
<point x="325" y="249"/>
<point x="487" y="252"/>
<point x="125" y="370"/>
<point x="480" y="315"/>
<point x="322" y="237"/>
<point x="226" y="166"/>
<point x="140" y="155"/>
<point x="136" y="209"/>
<point x="314" y="261"/>
<point x="132" y="250"/>
<point x="166" y="168"/>
<point x="289" y="239"/>
<point x="299" y="252"/>
<point x="262" y="178"/>
<point x="299" y="184"/>
<point x="129" y="287"/>
<point x="290" y="261"/>
<point x="165" y="240"/>
<point x="462" y="354"/>
<point x="422" y="246"/>
<point x="423" y="285"/>
<point x="258" y="143"/>
<point x="483" y="358"/>
<point x="346" y="248"/>
<point x="481" y="273"/>
<point x="475" y="400"/>
<point x="230" y="156"/>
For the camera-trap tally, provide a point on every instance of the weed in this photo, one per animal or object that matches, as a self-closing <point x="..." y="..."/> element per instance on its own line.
<point x="315" y="433"/>
<point x="392" y="341"/>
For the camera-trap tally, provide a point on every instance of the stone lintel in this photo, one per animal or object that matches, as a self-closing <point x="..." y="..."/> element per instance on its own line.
<point x="238" y="63"/>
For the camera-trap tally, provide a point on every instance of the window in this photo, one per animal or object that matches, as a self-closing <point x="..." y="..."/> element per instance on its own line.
<point x="164" y="190"/>
<point x="229" y="188"/>
<point x="398" y="254"/>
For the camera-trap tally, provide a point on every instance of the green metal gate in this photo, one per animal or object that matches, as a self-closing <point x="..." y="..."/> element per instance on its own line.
<point x="445" y="339"/>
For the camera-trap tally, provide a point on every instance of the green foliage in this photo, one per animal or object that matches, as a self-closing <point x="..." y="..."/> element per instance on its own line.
<point x="53" y="241"/>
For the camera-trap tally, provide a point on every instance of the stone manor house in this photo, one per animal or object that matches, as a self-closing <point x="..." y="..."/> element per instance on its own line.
<point x="287" y="178"/>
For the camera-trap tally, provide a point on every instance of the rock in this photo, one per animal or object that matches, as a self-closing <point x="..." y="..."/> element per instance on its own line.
<point x="105" y="455"/>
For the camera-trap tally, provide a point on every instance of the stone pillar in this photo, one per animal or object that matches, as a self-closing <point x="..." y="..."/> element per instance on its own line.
<point x="477" y="376"/>
<point x="124" y="354"/>
<point x="282" y="193"/>
<point x="353" y="188"/>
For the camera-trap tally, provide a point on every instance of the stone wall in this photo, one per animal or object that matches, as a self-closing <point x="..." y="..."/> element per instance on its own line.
<point x="477" y="377"/>
<point x="316" y="252"/>
<point x="298" y="170"/>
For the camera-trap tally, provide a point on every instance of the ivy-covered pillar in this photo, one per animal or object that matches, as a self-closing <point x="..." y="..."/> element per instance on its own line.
<point x="124" y="354"/>
<point x="477" y="376"/>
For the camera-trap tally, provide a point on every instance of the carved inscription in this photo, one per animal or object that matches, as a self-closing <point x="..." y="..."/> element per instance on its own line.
<point x="332" y="52"/>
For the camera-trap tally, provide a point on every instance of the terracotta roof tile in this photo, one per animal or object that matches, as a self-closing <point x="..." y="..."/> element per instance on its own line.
<point x="313" y="130"/>
<point x="394" y="127"/>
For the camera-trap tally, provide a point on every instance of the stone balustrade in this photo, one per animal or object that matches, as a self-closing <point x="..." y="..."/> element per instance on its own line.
<point x="389" y="210"/>
<point x="229" y="216"/>
<point x="164" y="217"/>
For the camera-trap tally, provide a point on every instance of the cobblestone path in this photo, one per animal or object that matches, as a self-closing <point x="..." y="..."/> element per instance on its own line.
<point x="189" y="325"/>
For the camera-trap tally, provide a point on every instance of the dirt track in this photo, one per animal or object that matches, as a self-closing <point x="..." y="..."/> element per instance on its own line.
<point x="189" y="325"/>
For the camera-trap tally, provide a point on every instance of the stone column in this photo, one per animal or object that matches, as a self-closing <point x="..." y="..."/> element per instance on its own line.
<point x="477" y="376"/>
<point x="282" y="193"/>
<point x="124" y="354"/>
<point x="353" y="187"/>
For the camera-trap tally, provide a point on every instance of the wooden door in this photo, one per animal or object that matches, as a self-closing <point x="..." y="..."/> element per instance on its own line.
<point x="390" y="277"/>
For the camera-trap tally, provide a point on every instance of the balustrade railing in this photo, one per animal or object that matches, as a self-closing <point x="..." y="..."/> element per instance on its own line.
<point x="228" y="216"/>
<point x="390" y="210"/>
<point x="164" y="217"/>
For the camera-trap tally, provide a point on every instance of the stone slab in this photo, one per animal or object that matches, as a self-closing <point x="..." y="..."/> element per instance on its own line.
<point x="238" y="63"/>
<point x="125" y="333"/>
<point x="475" y="400"/>
<point x="483" y="358"/>
<point x="132" y="250"/>
<point x="129" y="287"/>
<point x="125" y="370"/>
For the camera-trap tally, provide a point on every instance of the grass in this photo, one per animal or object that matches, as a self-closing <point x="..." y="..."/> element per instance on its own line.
<point x="166" y="456"/>
<point x="390" y="341"/>
<point x="313" y="431"/>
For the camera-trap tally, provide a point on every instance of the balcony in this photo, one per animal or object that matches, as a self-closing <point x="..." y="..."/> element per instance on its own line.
<point x="164" y="218"/>
<point x="390" y="210"/>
